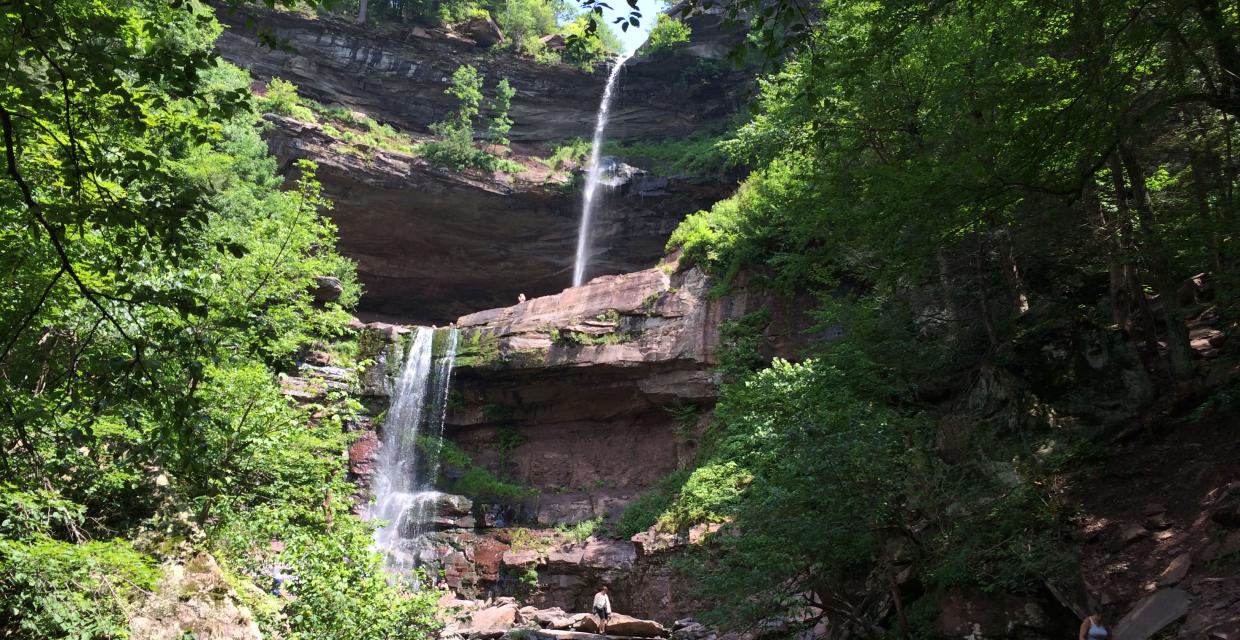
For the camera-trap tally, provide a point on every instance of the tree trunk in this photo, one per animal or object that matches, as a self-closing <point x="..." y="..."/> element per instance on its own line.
<point x="1124" y="289"/>
<point x="983" y="300"/>
<point x="1226" y="52"/>
<point x="1011" y="272"/>
<point x="949" y="298"/>
<point x="361" y="12"/>
<point x="1162" y="279"/>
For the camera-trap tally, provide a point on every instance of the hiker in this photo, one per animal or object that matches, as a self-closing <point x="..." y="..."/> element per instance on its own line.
<point x="1093" y="627"/>
<point x="602" y="609"/>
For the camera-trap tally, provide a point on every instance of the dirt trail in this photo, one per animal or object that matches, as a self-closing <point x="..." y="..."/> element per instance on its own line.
<point x="1147" y="519"/>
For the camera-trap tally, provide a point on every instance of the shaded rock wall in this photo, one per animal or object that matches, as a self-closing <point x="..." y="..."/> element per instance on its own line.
<point x="432" y="244"/>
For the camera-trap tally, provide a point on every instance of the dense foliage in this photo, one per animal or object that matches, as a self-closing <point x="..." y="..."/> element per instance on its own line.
<point x="523" y="23"/>
<point x="1001" y="206"/>
<point x="666" y="34"/>
<point x="159" y="278"/>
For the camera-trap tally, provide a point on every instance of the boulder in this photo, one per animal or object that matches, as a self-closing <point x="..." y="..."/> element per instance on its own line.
<point x="554" y="42"/>
<point x="565" y="556"/>
<point x="1228" y="514"/>
<point x="571" y="621"/>
<point x="450" y="505"/>
<point x="193" y="599"/>
<point x="1152" y="614"/>
<point x="524" y="559"/>
<point x="585" y="622"/>
<point x="652" y="541"/>
<point x="492" y="622"/>
<point x="563" y="634"/>
<point x="622" y="625"/>
<point x="1132" y="532"/>
<point x="544" y="617"/>
<point x="483" y="30"/>
<point x="690" y="629"/>
<point x="327" y="289"/>
<point x="1176" y="571"/>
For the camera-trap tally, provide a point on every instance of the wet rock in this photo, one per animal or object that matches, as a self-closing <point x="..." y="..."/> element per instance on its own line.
<point x="363" y="453"/>
<point x="480" y="240"/>
<point x="327" y="289"/>
<point x="398" y="77"/>
<point x="1152" y="614"/>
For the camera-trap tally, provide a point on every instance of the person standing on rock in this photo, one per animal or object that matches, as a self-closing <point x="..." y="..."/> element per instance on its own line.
<point x="1094" y="627"/>
<point x="602" y="609"/>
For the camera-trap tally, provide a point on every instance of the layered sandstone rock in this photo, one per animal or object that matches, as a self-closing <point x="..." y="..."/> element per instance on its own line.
<point x="433" y="244"/>
<point x="398" y="73"/>
<point x="605" y="386"/>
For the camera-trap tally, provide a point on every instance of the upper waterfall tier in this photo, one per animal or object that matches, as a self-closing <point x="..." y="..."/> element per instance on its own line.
<point x="398" y="75"/>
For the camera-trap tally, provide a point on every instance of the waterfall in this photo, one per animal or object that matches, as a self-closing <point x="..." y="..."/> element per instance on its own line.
<point x="593" y="174"/>
<point x="404" y="485"/>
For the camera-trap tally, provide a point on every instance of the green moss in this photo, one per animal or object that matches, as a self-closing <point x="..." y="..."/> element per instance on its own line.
<point x="478" y="348"/>
<point x="580" y="531"/>
<point x="569" y="338"/>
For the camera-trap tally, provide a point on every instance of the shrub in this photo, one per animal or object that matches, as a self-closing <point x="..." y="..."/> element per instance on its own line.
<point x="455" y="148"/>
<point x="569" y="152"/>
<point x="282" y="98"/>
<point x="666" y="34"/>
<point x="580" y="531"/>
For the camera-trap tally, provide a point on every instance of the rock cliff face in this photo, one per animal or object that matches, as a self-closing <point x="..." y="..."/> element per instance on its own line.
<point x="398" y="74"/>
<point x="604" y="388"/>
<point x="433" y="244"/>
<point x="589" y="397"/>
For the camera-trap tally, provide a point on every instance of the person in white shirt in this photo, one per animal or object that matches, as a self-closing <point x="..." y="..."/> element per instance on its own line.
<point x="602" y="609"/>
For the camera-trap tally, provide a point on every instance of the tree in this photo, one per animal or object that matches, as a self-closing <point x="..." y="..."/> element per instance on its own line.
<point x="501" y="124"/>
<point x="159" y="278"/>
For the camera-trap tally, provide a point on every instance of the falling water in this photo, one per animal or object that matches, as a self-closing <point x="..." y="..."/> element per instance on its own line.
<point x="419" y="406"/>
<point x="593" y="174"/>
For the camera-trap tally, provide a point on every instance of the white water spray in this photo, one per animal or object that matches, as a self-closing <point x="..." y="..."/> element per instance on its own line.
<point x="419" y="406"/>
<point x="593" y="175"/>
